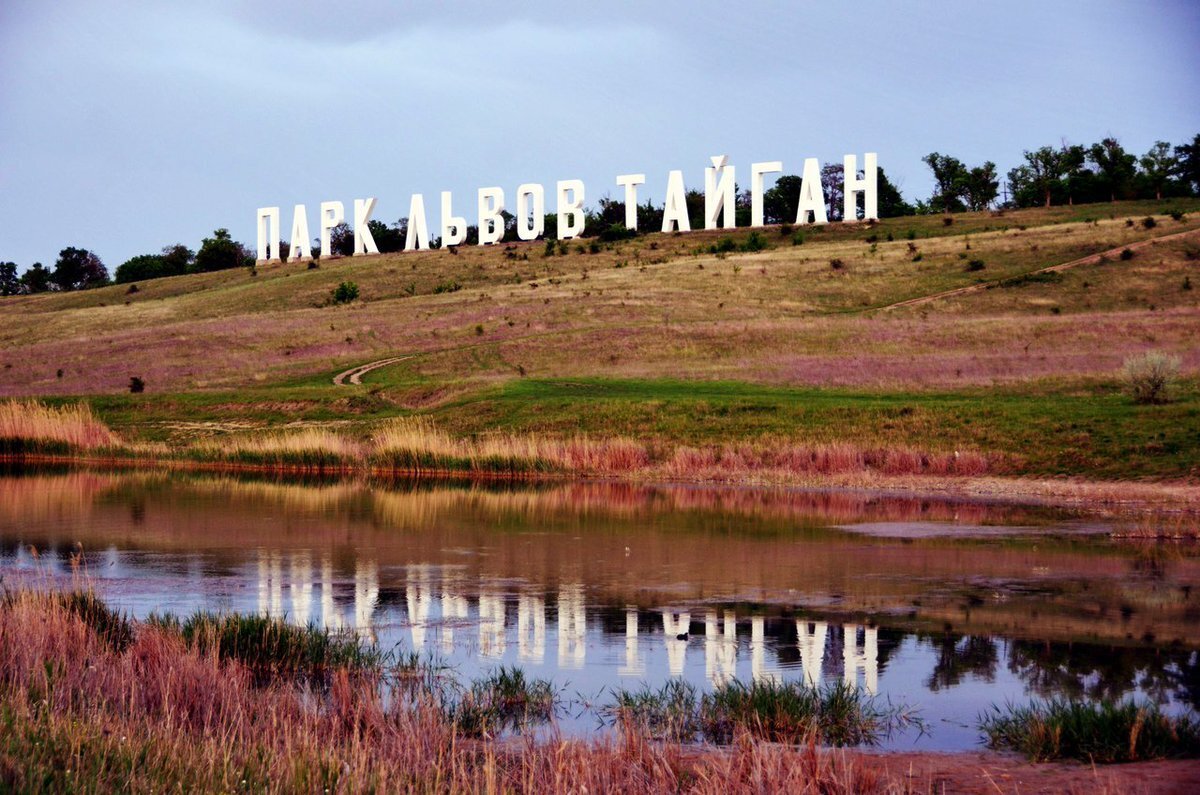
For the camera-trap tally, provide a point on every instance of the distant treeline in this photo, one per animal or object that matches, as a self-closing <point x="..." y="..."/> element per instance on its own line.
<point x="1066" y="174"/>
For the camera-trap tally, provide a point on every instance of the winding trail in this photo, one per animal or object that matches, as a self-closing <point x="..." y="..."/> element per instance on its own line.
<point x="354" y="374"/>
<point x="1090" y="259"/>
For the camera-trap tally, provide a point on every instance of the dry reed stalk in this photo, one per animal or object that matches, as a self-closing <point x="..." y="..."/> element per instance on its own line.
<point x="160" y="715"/>
<point x="32" y="426"/>
<point x="307" y="447"/>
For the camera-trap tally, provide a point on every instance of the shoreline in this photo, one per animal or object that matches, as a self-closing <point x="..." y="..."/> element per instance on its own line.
<point x="1120" y="498"/>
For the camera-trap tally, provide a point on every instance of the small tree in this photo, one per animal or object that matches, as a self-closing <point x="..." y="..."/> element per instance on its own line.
<point x="1115" y="166"/>
<point x="345" y="292"/>
<point x="1150" y="376"/>
<point x="221" y="252"/>
<point x="9" y="283"/>
<point x="1158" y="166"/>
<point x="36" y="279"/>
<point x="78" y="269"/>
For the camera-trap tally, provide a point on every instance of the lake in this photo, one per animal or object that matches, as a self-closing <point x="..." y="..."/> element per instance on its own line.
<point x="945" y="606"/>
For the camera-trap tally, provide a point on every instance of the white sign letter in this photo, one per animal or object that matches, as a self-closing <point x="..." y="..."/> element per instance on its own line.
<point x="812" y="195"/>
<point x="300" y="249"/>
<point x="531" y="228"/>
<point x="491" y="223"/>
<point x="719" y="196"/>
<point x="332" y="214"/>
<point x="268" y="232"/>
<point x="630" y="182"/>
<point x="364" y="242"/>
<point x="675" y="214"/>
<point x="570" y="202"/>
<point x="867" y="186"/>
<point x="454" y="228"/>
<point x="417" y="236"/>
<point x="756" y="188"/>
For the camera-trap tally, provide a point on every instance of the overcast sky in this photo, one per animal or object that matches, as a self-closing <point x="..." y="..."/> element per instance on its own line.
<point x="125" y="127"/>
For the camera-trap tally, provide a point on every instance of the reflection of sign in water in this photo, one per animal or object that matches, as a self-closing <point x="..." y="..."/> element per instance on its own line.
<point x="531" y="627"/>
<point x="675" y="630"/>
<point x="572" y="627"/>
<point x="860" y="644"/>
<point x="634" y="666"/>
<point x="720" y="648"/>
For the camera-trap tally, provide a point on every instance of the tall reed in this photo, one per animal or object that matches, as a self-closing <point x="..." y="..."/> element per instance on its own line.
<point x="30" y="427"/>
<point x="76" y="714"/>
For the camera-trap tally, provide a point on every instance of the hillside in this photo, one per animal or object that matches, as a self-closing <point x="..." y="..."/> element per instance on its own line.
<point x="667" y="337"/>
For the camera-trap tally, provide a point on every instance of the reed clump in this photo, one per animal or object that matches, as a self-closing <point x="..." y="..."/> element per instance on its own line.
<point x="270" y="647"/>
<point x="1103" y="731"/>
<point x="310" y="449"/>
<point x="30" y="427"/>
<point x="416" y="446"/>
<point x="504" y="699"/>
<point x="77" y="714"/>
<point x="787" y="712"/>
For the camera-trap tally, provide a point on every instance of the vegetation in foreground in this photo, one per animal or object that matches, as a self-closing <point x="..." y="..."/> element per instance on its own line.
<point x="76" y="714"/>
<point x="1100" y="732"/>
<point x="789" y="712"/>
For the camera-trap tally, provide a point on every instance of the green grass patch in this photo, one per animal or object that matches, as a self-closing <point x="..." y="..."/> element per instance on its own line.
<point x="272" y="648"/>
<point x="1101" y="732"/>
<point x="504" y="699"/>
<point x="787" y="712"/>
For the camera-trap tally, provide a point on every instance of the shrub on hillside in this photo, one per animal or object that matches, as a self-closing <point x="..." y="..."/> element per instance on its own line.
<point x="345" y="292"/>
<point x="1150" y="376"/>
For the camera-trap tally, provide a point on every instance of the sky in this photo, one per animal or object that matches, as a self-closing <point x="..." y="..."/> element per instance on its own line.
<point x="129" y="126"/>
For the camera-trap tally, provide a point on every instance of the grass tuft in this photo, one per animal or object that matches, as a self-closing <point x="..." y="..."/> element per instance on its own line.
<point x="787" y="712"/>
<point x="29" y="427"/>
<point x="1101" y="732"/>
<point x="272" y="648"/>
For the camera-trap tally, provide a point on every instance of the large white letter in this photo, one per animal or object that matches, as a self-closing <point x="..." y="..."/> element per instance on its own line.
<point x="268" y="217"/>
<point x="719" y="195"/>
<point x="812" y="195"/>
<point x="868" y="186"/>
<point x="454" y="227"/>
<point x="300" y="249"/>
<point x="417" y="236"/>
<point x="756" y="188"/>
<point x="527" y="230"/>
<point x="491" y="223"/>
<point x="570" y="202"/>
<point x="675" y="214"/>
<point x="332" y="214"/>
<point x="364" y="242"/>
<point x="630" y="182"/>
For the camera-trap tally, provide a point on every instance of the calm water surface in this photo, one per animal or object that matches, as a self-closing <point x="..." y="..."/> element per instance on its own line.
<point x="943" y="606"/>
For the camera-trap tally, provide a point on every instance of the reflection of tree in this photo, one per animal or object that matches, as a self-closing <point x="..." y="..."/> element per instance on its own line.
<point x="1093" y="671"/>
<point x="960" y="656"/>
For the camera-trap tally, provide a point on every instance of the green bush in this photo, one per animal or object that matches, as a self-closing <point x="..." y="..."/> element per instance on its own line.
<point x="754" y="242"/>
<point x="345" y="292"/>
<point x="451" y="286"/>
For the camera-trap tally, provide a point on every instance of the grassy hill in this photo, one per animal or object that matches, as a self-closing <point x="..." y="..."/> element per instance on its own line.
<point x="692" y="338"/>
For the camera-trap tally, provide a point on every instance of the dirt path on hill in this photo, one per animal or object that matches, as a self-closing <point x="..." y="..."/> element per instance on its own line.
<point x="354" y="374"/>
<point x="1091" y="259"/>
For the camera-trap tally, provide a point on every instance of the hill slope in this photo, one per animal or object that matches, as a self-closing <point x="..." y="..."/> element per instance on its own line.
<point x="809" y="337"/>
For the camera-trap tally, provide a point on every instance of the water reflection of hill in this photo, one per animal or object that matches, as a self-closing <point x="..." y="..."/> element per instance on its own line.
<point x="766" y="552"/>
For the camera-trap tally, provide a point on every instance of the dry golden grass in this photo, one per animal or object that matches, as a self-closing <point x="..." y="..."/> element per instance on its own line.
<point x="32" y="426"/>
<point x="307" y="448"/>
<point x="153" y="713"/>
